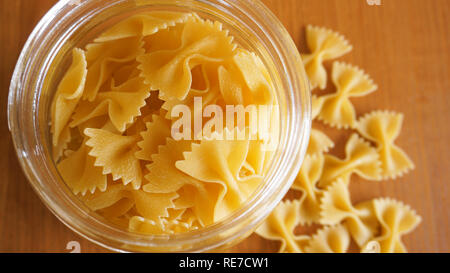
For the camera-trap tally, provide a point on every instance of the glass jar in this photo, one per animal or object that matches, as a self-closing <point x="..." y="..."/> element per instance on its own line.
<point x="72" y="24"/>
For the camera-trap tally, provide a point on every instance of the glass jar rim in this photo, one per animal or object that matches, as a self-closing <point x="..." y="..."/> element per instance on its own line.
<point x="243" y="220"/>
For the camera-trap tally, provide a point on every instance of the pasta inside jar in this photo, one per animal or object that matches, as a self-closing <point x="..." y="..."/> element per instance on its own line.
<point x="163" y="124"/>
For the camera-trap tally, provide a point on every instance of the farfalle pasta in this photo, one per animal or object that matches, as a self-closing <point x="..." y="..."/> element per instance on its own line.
<point x="396" y="219"/>
<point x="280" y="226"/>
<point x="360" y="158"/>
<point x="318" y="143"/>
<point x="336" y="207"/>
<point x="330" y="239"/>
<point x="376" y="225"/>
<point x="336" y="109"/>
<point x="201" y="41"/>
<point x="324" y="44"/>
<point x="114" y="109"/>
<point x="306" y="182"/>
<point x="143" y="24"/>
<point x="383" y="127"/>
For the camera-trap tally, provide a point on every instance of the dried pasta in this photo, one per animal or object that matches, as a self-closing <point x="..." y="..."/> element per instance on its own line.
<point x="104" y="58"/>
<point x="396" y="219"/>
<point x="330" y="239"/>
<point x="143" y="24"/>
<point x="350" y="81"/>
<point x="201" y="41"/>
<point x="69" y="92"/>
<point x="220" y="161"/>
<point x="115" y="154"/>
<point x="383" y="127"/>
<point x="360" y="158"/>
<point x="80" y="173"/>
<point x="280" y="226"/>
<point x="324" y="45"/>
<point x="306" y="182"/>
<point x="336" y="207"/>
<point x="318" y="143"/>
<point x="113" y="127"/>
<point x="323" y="180"/>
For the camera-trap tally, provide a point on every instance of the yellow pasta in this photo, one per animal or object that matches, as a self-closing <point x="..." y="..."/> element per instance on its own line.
<point x="350" y="81"/>
<point x="156" y="133"/>
<point x="316" y="105"/>
<point x="104" y="58"/>
<point x="324" y="45"/>
<point x="202" y="42"/>
<point x="396" y="219"/>
<point x="330" y="239"/>
<point x="122" y="104"/>
<point x="80" y="173"/>
<point x="115" y="154"/>
<point x="256" y="88"/>
<point x="306" y="182"/>
<point x="220" y="161"/>
<point x="69" y="92"/>
<point x="143" y="24"/>
<point x="360" y="158"/>
<point x="336" y="207"/>
<point x="280" y="226"/>
<point x="318" y="143"/>
<point x="383" y="127"/>
<point x="163" y="176"/>
<point x="151" y="206"/>
<point x="64" y="139"/>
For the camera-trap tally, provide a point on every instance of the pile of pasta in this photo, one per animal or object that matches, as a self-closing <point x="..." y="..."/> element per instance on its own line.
<point x="371" y="153"/>
<point x="111" y="123"/>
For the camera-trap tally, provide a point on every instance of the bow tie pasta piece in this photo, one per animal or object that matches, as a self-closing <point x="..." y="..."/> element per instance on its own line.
<point x="337" y="207"/>
<point x="246" y="80"/>
<point x="350" y="81"/>
<point x="208" y="93"/>
<point x="396" y="219"/>
<point x="319" y="143"/>
<point x="152" y="206"/>
<point x="143" y="25"/>
<point x="122" y="104"/>
<point x="219" y="162"/>
<point x="105" y="58"/>
<point x="68" y="93"/>
<point x="330" y="239"/>
<point x="383" y="127"/>
<point x="202" y="42"/>
<point x="80" y="173"/>
<point x="163" y="176"/>
<point x="115" y="154"/>
<point x="306" y="182"/>
<point x="324" y="45"/>
<point x="280" y="226"/>
<point x="360" y="158"/>
<point x="155" y="134"/>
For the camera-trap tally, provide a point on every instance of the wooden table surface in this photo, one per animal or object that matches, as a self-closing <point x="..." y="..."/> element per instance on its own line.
<point x="403" y="44"/>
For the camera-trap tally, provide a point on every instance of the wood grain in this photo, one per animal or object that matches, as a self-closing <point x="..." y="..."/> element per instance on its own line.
<point x="403" y="44"/>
